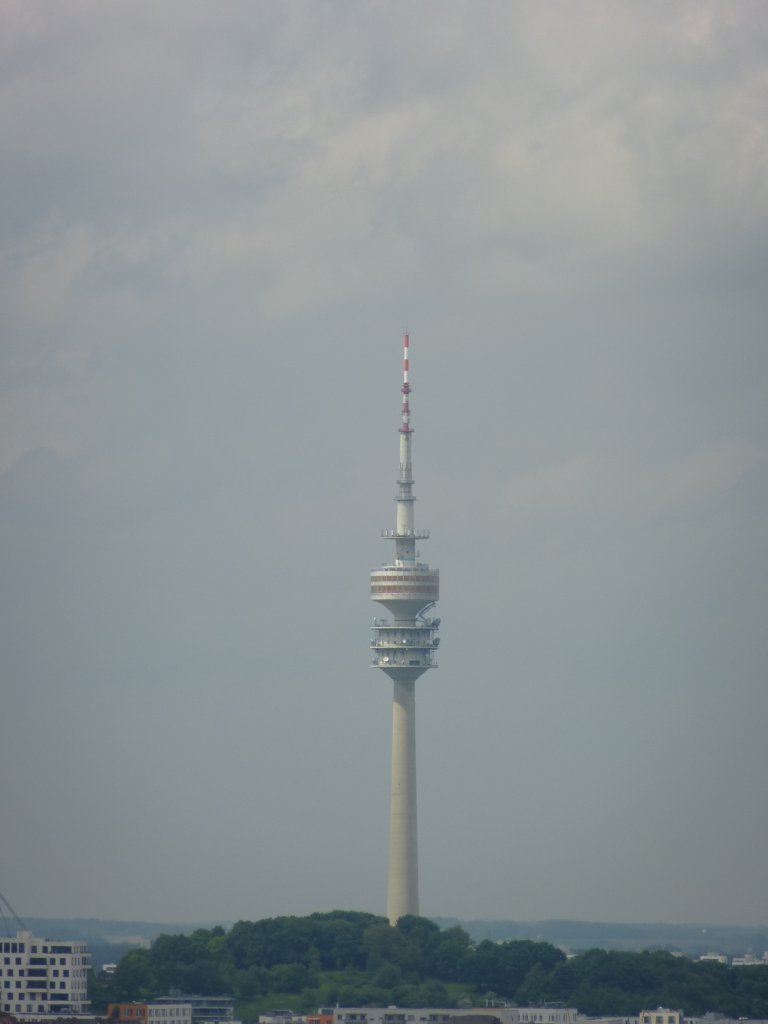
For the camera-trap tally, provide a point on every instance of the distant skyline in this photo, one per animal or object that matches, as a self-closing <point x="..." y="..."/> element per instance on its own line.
<point x="217" y="220"/>
<point x="692" y="939"/>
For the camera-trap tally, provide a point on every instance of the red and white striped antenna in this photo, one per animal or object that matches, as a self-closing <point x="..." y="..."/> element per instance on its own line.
<point x="405" y="426"/>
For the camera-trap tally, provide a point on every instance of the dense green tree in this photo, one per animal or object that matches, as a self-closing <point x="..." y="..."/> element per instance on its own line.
<point x="433" y="993"/>
<point x="291" y="978"/>
<point x="253" y="981"/>
<point x="340" y="938"/>
<point x="386" y="945"/>
<point x="358" y="959"/>
<point x="335" y="937"/>
<point x="388" y="977"/>
<point x="134" y="977"/>
<point x="423" y="942"/>
<point x="448" y="957"/>
<point x="502" y="966"/>
<point x="536" y="988"/>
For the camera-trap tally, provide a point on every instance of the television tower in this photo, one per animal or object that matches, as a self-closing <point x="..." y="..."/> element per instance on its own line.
<point x="403" y="647"/>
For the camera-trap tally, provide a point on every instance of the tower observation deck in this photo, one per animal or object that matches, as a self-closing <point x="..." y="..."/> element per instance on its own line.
<point x="404" y="648"/>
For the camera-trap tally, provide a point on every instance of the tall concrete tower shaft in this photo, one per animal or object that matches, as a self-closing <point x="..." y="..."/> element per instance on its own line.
<point x="403" y="647"/>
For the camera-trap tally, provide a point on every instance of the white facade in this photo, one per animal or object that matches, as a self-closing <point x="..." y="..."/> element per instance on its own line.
<point x="504" y="1014"/>
<point x="205" y="1009"/>
<point x="661" y="1015"/>
<point x="708" y="1018"/>
<point x="750" y="960"/>
<point x="169" y="1013"/>
<point x="43" y="976"/>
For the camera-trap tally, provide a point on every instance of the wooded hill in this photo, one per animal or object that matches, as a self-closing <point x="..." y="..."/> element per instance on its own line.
<point x="352" y="959"/>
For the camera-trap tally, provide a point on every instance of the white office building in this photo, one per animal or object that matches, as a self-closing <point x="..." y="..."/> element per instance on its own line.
<point x="205" y="1009"/>
<point x="434" y="1015"/>
<point x="43" y="976"/>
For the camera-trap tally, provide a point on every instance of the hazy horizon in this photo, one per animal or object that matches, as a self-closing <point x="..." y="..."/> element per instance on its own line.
<point x="217" y="220"/>
<point x="213" y="922"/>
<point x="688" y="939"/>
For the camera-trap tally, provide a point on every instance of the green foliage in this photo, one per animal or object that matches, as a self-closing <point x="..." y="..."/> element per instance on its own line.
<point x="448" y="956"/>
<point x="356" y="959"/>
<point x="385" y="945"/>
<point x="502" y="967"/>
<point x="334" y="938"/>
<point x="134" y="977"/>
<point x="615" y="983"/>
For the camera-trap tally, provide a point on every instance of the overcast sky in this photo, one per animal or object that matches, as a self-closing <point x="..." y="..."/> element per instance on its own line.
<point x="216" y="220"/>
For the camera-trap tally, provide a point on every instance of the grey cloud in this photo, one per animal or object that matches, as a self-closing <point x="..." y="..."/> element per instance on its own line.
<point x="216" y="222"/>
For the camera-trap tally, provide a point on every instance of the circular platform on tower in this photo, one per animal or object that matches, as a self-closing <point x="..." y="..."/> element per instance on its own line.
<point x="405" y="590"/>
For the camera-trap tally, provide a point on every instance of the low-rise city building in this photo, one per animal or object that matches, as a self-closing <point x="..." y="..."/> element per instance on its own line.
<point x="750" y="960"/>
<point x="660" y="1015"/>
<point x="150" y="1013"/>
<point x="281" y="1017"/>
<point x="205" y="1009"/>
<point x="436" y="1015"/>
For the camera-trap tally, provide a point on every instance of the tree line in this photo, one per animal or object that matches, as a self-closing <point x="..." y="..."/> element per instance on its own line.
<point x="357" y="959"/>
